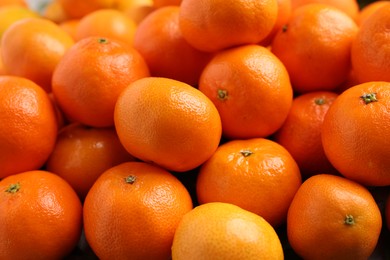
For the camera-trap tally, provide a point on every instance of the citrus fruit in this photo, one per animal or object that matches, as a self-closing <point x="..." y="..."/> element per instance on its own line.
<point x="332" y="217"/>
<point x="91" y="75"/>
<point x="41" y="216"/>
<point x="28" y="125"/>
<point x="137" y="207"/>
<point x="159" y="40"/>
<point x="82" y="153"/>
<point x="315" y="47"/>
<point x="218" y="24"/>
<point x="108" y="23"/>
<point x="167" y="122"/>
<point x="224" y="231"/>
<point x="370" y="53"/>
<point x="355" y="133"/>
<point x="251" y="89"/>
<point x="247" y="173"/>
<point x="32" y="48"/>
<point x="300" y="133"/>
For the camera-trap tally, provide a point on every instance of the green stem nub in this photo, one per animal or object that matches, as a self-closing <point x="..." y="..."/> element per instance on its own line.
<point x="222" y="94"/>
<point x="349" y="220"/>
<point x="368" y="98"/>
<point x="246" y="153"/>
<point x="102" y="40"/>
<point x="130" y="179"/>
<point x="319" y="101"/>
<point x="13" y="188"/>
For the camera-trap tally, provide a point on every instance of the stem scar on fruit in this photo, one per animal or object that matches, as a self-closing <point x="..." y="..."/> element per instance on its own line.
<point x="130" y="179"/>
<point x="13" y="188"/>
<point x="370" y="97"/>
<point x="284" y="28"/>
<point x="222" y="94"/>
<point x="246" y="153"/>
<point x="320" y="101"/>
<point x="349" y="220"/>
<point x="102" y="40"/>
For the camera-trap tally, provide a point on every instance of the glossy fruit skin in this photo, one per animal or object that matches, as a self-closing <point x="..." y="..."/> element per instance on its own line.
<point x="109" y="23"/>
<point x="219" y="24"/>
<point x="221" y="231"/>
<point x="89" y="78"/>
<point x="83" y="153"/>
<point x="41" y="216"/>
<point x="78" y="9"/>
<point x="138" y="206"/>
<point x="159" y="40"/>
<point x="355" y="134"/>
<point x="350" y="7"/>
<point x="315" y="47"/>
<point x="300" y="133"/>
<point x="369" y="55"/>
<point x="251" y="89"/>
<point x="247" y="173"/>
<point x="28" y="125"/>
<point x="32" y="48"/>
<point x="167" y="122"/>
<point x="332" y="217"/>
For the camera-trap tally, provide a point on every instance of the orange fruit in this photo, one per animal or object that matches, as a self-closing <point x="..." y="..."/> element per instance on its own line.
<point x="163" y="3"/>
<point x="70" y="26"/>
<point x="247" y="173"/>
<point x="356" y="133"/>
<point x="315" y="47"/>
<point x="78" y="9"/>
<point x="284" y="13"/>
<point x="32" y="48"/>
<point x="369" y="9"/>
<point x="350" y="7"/>
<point x="218" y="24"/>
<point x="251" y="89"/>
<point x="300" y="134"/>
<point x="332" y="217"/>
<point x="167" y="122"/>
<point x="108" y="23"/>
<point x="41" y="216"/>
<point x="124" y="5"/>
<point x="159" y="40"/>
<point x="12" y="13"/>
<point x="370" y="53"/>
<point x="28" y="125"/>
<point x="137" y="207"/>
<point x="12" y="2"/>
<point x="225" y="231"/>
<point x="2" y="69"/>
<point x="88" y="79"/>
<point x="82" y="154"/>
<point x="54" y="12"/>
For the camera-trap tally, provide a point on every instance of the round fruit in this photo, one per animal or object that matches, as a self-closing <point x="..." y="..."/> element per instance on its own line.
<point x="83" y="153"/>
<point x="248" y="173"/>
<point x="251" y="89"/>
<point x="332" y="217"/>
<point x="315" y="47"/>
<point x="40" y="215"/>
<point x="28" y="125"/>
<point x="133" y="210"/>
<point x="218" y="24"/>
<point x="167" y="122"/>
<point x="356" y="133"/>
<point x="32" y="48"/>
<point x="219" y="231"/>
<point x="300" y="133"/>
<point x="91" y="75"/>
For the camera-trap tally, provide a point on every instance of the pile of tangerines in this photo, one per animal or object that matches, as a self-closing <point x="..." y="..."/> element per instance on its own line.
<point x="188" y="129"/>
